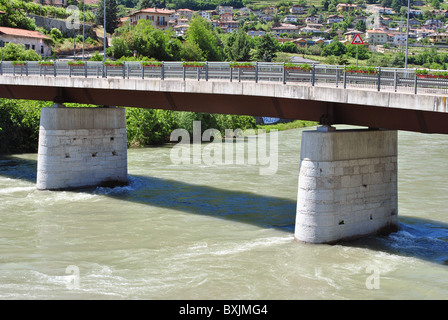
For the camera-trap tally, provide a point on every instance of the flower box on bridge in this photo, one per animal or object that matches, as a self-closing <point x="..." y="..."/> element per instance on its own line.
<point x="109" y="63"/>
<point x="46" y="63"/>
<point x="241" y="65"/>
<point x="426" y="74"/>
<point x="363" y="70"/>
<point x="76" y="64"/>
<point x="151" y="64"/>
<point x="300" y="67"/>
<point x="193" y="64"/>
<point x="19" y="63"/>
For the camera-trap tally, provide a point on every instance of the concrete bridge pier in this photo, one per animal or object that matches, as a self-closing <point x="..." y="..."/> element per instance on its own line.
<point x="81" y="147"/>
<point x="347" y="184"/>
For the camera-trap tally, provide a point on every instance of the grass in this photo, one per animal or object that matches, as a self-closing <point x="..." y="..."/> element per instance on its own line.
<point x="288" y="125"/>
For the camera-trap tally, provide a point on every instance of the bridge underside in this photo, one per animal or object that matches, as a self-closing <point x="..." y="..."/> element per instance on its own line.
<point x="312" y="110"/>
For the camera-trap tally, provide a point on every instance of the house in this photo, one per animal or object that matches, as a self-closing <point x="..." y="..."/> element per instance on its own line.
<point x="181" y="29"/>
<point x="205" y="14"/>
<point x="441" y="38"/>
<point x="225" y="9"/>
<point x="334" y="19"/>
<point x="256" y="33"/>
<point x="229" y="26"/>
<point x="381" y="10"/>
<point x="415" y="12"/>
<point x="55" y="3"/>
<point x="285" y="28"/>
<point x="270" y="10"/>
<point x="296" y="9"/>
<point x="33" y="40"/>
<point x="396" y="38"/>
<point x="309" y="29"/>
<point x="433" y="23"/>
<point x="245" y="11"/>
<point x="187" y="13"/>
<point x="376" y="36"/>
<point x="158" y="17"/>
<point x="215" y="23"/>
<point x="346" y="7"/>
<point x="312" y="19"/>
<point x="266" y="17"/>
<point x="350" y="35"/>
<point x="226" y="17"/>
<point x="290" y="18"/>
<point x="301" y="42"/>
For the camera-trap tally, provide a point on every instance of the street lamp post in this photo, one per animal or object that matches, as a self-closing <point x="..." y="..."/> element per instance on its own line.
<point x="104" y="18"/>
<point x="83" y="27"/>
<point x="407" y="37"/>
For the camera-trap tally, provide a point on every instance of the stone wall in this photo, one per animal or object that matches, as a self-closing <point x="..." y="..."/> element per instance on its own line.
<point x="50" y="23"/>
<point x="347" y="185"/>
<point x="81" y="147"/>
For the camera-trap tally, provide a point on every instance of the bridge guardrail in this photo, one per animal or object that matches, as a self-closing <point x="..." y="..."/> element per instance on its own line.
<point x="381" y="79"/>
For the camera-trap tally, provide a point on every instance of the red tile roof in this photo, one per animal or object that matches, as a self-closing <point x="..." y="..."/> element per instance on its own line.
<point x="22" y="33"/>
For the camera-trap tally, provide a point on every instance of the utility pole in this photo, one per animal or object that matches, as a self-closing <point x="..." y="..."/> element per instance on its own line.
<point x="83" y="27"/>
<point x="105" y="38"/>
<point x="407" y="37"/>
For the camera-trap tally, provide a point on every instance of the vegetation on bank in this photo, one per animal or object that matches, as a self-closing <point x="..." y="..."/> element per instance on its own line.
<point x="19" y="124"/>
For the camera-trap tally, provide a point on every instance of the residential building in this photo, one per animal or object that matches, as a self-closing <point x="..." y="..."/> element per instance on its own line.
<point x="266" y="17"/>
<point x="376" y="36"/>
<point x="290" y="18"/>
<point x="187" y="13"/>
<point x="312" y="19"/>
<point x="346" y="7"/>
<point x="396" y="38"/>
<point x="334" y="19"/>
<point x="226" y="17"/>
<point x="205" y="14"/>
<point x="256" y="33"/>
<point x="309" y="29"/>
<point x="381" y="10"/>
<point x="245" y="11"/>
<point x="158" y="17"/>
<point x="415" y="12"/>
<point x="33" y="40"/>
<point x="55" y="3"/>
<point x="285" y="28"/>
<point x="441" y="38"/>
<point x="181" y="29"/>
<point x="350" y="35"/>
<point x="296" y="9"/>
<point x="225" y="9"/>
<point x="270" y="10"/>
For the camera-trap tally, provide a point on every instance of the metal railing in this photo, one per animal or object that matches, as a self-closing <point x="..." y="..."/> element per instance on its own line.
<point x="382" y="79"/>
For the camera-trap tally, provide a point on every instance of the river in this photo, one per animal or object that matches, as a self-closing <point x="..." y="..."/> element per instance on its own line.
<point x="210" y="231"/>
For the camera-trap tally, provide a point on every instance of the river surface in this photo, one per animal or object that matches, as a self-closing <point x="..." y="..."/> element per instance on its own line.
<point x="210" y="231"/>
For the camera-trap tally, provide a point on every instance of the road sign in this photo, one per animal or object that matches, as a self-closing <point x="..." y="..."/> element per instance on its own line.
<point x="357" y="39"/>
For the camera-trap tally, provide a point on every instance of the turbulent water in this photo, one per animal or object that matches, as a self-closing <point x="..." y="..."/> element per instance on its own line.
<point x="210" y="231"/>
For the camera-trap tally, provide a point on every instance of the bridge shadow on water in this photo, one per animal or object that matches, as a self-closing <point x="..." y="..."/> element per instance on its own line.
<point x="418" y="238"/>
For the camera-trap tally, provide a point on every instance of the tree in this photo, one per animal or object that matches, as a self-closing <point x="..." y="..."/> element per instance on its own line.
<point x="335" y="48"/>
<point x="200" y="32"/>
<point x="17" y="52"/>
<point x="111" y="15"/>
<point x="361" y="26"/>
<point x="238" y="46"/>
<point x="266" y="48"/>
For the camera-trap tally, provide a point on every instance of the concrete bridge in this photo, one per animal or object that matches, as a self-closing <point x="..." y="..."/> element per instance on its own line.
<point x="347" y="178"/>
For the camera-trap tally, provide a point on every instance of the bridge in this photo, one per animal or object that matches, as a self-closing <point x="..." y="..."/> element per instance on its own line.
<point x="347" y="178"/>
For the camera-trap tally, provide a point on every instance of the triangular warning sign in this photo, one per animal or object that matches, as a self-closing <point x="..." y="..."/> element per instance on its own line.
<point x="357" y="39"/>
